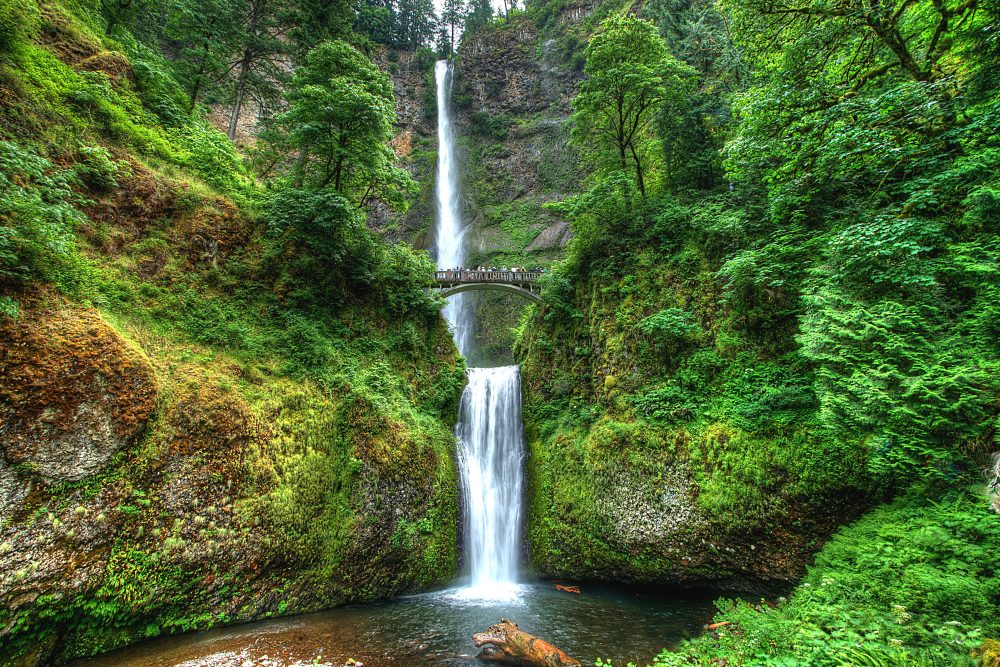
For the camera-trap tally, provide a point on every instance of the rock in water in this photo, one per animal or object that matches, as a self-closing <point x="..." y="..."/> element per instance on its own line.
<point x="507" y="644"/>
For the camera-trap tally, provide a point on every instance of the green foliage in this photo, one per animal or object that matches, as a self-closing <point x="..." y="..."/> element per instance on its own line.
<point x="669" y="327"/>
<point x="98" y="170"/>
<point x="38" y="216"/>
<point x="912" y="583"/>
<point x="630" y="76"/>
<point x="208" y="36"/>
<point x="19" y="21"/>
<point x="339" y="125"/>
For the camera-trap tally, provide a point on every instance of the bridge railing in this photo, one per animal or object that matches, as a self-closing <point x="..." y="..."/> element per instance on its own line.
<point x="473" y="276"/>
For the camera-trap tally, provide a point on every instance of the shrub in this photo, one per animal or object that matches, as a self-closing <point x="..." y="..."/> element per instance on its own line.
<point x="914" y="582"/>
<point x="97" y="170"/>
<point x="37" y="220"/>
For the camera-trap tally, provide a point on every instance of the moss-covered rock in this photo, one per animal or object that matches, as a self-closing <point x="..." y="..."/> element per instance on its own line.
<point x="682" y="456"/>
<point x="72" y="391"/>
<point x="248" y="496"/>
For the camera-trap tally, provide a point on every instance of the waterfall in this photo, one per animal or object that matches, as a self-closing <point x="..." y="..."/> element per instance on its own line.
<point x="492" y="441"/>
<point x="450" y="231"/>
<point x="489" y="429"/>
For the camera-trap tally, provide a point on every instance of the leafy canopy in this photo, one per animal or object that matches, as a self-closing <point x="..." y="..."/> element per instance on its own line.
<point x="338" y="127"/>
<point x="630" y="76"/>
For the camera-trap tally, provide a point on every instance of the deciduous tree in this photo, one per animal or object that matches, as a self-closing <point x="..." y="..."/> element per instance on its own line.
<point x="629" y="77"/>
<point x="338" y="127"/>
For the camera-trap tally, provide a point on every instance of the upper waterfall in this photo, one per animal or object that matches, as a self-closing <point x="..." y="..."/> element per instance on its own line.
<point x="450" y="231"/>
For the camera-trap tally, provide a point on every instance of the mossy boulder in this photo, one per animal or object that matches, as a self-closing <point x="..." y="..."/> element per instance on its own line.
<point x="989" y="653"/>
<point x="73" y="392"/>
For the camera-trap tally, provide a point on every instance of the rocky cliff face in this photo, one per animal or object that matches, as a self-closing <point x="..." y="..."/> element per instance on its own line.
<point x="147" y="490"/>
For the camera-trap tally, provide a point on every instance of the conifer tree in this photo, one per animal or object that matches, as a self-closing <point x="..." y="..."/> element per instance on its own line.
<point x="207" y="39"/>
<point x="453" y="17"/>
<point x="415" y="23"/>
<point x="257" y="66"/>
<point x="479" y="14"/>
<point x="315" y="21"/>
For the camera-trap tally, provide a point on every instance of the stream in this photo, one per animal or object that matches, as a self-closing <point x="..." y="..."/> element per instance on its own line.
<point x="436" y="629"/>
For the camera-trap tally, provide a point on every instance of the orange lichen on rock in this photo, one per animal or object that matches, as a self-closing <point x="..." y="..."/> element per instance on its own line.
<point x="210" y="420"/>
<point x="72" y="390"/>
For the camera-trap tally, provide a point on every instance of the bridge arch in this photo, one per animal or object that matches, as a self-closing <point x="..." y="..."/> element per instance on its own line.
<point x="522" y="292"/>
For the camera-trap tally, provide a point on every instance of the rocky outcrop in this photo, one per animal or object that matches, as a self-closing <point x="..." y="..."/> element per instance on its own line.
<point x="73" y="393"/>
<point x="156" y="491"/>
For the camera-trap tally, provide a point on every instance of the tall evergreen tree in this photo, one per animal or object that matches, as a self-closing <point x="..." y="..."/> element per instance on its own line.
<point x="376" y="20"/>
<point x="257" y="66"/>
<point x="443" y="41"/>
<point x="480" y="13"/>
<point x="207" y="38"/>
<point x="415" y="23"/>
<point x="453" y="17"/>
<point x="316" y="21"/>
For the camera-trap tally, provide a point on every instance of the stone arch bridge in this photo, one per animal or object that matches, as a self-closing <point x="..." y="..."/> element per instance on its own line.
<point x="521" y="283"/>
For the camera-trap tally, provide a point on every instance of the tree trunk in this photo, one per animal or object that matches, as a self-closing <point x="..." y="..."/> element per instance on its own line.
<point x="507" y="644"/>
<point x="241" y="85"/>
<point x="640" y="181"/>
<point x="199" y="80"/>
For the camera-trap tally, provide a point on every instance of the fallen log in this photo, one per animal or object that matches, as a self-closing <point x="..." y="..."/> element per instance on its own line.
<point x="507" y="644"/>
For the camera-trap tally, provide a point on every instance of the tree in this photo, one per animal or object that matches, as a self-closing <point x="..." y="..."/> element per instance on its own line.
<point x="453" y="16"/>
<point x="415" y="23"/>
<point x="479" y="15"/>
<point x="207" y="39"/>
<point x="376" y="21"/>
<point x="339" y="124"/>
<point x="316" y="21"/>
<point x="508" y="7"/>
<point x="258" y="62"/>
<point x="863" y="39"/>
<point x="630" y="75"/>
<point x="131" y="12"/>
<point x="693" y="128"/>
<point x="443" y="42"/>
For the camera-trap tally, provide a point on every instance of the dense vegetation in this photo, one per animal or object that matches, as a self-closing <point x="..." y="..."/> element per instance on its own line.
<point x="302" y="375"/>
<point x="782" y="280"/>
<point x="779" y="310"/>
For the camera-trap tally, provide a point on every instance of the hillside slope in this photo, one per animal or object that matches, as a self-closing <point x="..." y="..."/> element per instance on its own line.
<point x="195" y="429"/>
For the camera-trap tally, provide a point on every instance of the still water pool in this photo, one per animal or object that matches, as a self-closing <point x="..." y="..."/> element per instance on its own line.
<point x="436" y="629"/>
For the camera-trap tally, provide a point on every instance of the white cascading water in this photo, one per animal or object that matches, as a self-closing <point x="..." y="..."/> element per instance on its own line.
<point x="450" y="231"/>
<point x="490" y="432"/>
<point x="489" y="429"/>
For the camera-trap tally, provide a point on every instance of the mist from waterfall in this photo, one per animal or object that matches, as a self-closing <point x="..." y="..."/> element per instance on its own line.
<point x="489" y="430"/>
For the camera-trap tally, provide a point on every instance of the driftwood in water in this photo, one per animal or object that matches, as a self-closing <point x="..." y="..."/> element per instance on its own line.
<point x="507" y="644"/>
<point x="568" y="589"/>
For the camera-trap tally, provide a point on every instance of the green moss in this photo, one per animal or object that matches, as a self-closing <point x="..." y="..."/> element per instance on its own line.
<point x="286" y="424"/>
